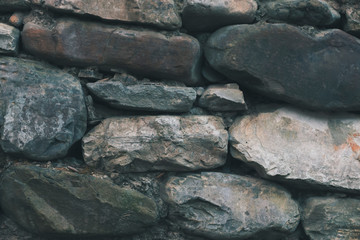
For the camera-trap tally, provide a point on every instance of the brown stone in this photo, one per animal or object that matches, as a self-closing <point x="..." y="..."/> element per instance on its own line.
<point x="156" y="55"/>
<point x="159" y="13"/>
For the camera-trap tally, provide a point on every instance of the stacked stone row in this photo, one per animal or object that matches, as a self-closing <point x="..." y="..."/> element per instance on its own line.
<point x="125" y="119"/>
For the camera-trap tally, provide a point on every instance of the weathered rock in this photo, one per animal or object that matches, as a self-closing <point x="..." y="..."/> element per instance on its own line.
<point x="170" y="143"/>
<point x="156" y="55"/>
<point x="143" y="95"/>
<point x="11" y="231"/>
<point x="223" y="98"/>
<point x="17" y="19"/>
<point x="302" y="12"/>
<point x="9" y="39"/>
<point x="159" y="13"/>
<point x="207" y="15"/>
<point x="328" y="218"/>
<point x="316" y="69"/>
<point x="42" y="109"/>
<point x="352" y="24"/>
<point x="225" y="206"/>
<point x="52" y="202"/>
<point x="305" y="147"/>
<point x="12" y="5"/>
<point x="91" y="74"/>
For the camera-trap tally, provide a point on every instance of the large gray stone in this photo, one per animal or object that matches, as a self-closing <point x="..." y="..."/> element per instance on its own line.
<point x="128" y="93"/>
<point x="328" y="218"/>
<point x="140" y="51"/>
<point x="159" y="13"/>
<point x="302" y="12"/>
<point x="58" y="203"/>
<point x="170" y="143"/>
<point x="42" y="109"/>
<point x="223" y="98"/>
<point x="207" y="15"/>
<point x="224" y="206"/>
<point x="316" y="69"/>
<point x="320" y="150"/>
<point x="9" y="39"/>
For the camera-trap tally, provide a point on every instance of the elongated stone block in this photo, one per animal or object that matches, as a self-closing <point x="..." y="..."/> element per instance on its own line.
<point x="155" y="55"/>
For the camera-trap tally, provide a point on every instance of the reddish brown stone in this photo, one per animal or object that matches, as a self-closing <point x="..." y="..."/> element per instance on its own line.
<point x="139" y="51"/>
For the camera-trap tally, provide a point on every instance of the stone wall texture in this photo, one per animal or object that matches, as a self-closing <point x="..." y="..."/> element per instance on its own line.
<point x="180" y="119"/>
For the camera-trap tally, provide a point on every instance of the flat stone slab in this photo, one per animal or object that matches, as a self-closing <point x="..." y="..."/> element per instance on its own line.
<point x="58" y="203"/>
<point x="315" y="69"/>
<point x="328" y="218"/>
<point x="224" y="206"/>
<point x="151" y="54"/>
<point x="300" y="12"/>
<point x="208" y="15"/>
<point x="150" y="143"/>
<point x="222" y="98"/>
<point x="13" y="5"/>
<point x="9" y="39"/>
<point x="158" y="13"/>
<point x="42" y="109"/>
<point x="303" y="147"/>
<point x="143" y="95"/>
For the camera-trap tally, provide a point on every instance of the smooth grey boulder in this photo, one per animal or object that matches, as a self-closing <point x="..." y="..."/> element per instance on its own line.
<point x="224" y="206"/>
<point x="328" y="218"/>
<point x="293" y="145"/>
<point x="9" y="39"/>
<point x="42" y="109"/>
<point x="222" y="98"/>
<point x="208" y="15"/>
<point x="158" y="13"/>
<point x="128" y="93"/>
<point x="13" y="5"/>
<point x="148" y="143"/>
<point x="59" y="203"/>
<point x="300" y="12"/>
<point x="311" y="68"/>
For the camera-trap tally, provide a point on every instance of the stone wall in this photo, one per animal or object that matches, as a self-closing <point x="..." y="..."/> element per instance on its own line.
<point x="180" y="120"/>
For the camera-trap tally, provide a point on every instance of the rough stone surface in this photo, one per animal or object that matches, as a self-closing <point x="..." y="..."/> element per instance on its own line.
<point x="224" y="206"/>
<point x="223" y="98"/>
<point x="11" y="5"/>
<point x="305" y="147"/>
<point x="301" y="12"/>
<point x="328" y="218"/>
<point x="352" y="24"/>
<point x="170" y="143"/>
<point x="128" y="93"/>
<point x="207" y="15"/>
<point x="316" y="69"/>
<point x="170" y="55"/>
<point x="159" y="13"/>
<point x="9" y="39"/>
<point x="57" y="203"/>
<point x="42" y="109"/>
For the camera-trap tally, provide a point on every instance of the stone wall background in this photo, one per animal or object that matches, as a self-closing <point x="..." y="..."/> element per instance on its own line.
<point x="185" y="119"/>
